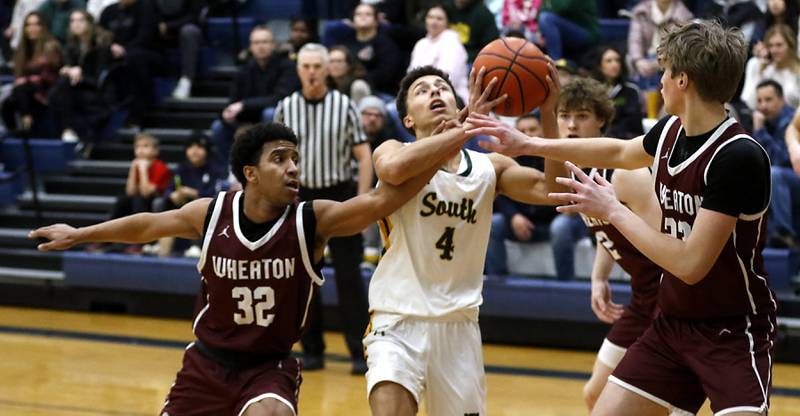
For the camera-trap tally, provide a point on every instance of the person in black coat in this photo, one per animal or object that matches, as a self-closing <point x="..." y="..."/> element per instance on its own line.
<point x="266" y="78"/>
<point x="610" y="69"/>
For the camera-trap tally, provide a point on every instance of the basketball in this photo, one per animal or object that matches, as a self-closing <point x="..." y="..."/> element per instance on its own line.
<point x="521" y="71"/>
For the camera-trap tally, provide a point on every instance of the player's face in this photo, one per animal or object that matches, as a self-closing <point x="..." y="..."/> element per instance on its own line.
<point x="579" y="123"/>
<point x="430" y="100"/>
<point x="312" y="70"/>
<point x="196" y="155"/>
<point x="261" y="44"/>
<point x="778" y="48"/>
<point x="768" y="102"/>
<point x="435" y="21"/>
<point x="611" y="64"/>
<point x="669" y="88"/>
<point x="277" y="175"/>
<point x="78" y="23"/>
<point x="530" y="127"/>
<point x="364" y="17"/>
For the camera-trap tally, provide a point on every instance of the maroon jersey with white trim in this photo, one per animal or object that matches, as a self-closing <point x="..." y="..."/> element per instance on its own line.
<point x="255" y="295"/>
<point x="645" y="275"/>
<point x="737" y="282"/>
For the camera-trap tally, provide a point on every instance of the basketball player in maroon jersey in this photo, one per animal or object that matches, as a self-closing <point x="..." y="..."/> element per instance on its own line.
<point x="715" y="332"/>
<point x="260" y="267"/>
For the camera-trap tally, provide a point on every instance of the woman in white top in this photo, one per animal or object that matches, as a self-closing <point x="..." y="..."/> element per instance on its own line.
<point x="442" y="49"/>
<point x="779" y="62"/>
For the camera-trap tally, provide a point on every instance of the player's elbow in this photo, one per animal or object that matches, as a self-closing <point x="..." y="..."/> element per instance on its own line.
<point x="692" y="275"/>
<point x="391" y="173"/>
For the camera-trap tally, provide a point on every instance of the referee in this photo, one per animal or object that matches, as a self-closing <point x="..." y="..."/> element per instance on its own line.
<point x="329" y="135"/>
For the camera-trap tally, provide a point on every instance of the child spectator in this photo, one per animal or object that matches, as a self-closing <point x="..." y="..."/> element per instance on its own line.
<point x="194" y="178"/>
<point x="36" y="64"/>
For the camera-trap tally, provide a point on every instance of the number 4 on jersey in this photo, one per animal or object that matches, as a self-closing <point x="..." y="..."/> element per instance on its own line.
<point x="445" y="243"/>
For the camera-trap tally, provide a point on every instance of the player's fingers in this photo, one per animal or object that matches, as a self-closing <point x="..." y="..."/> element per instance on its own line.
<point x="565" y="197"/>
<point x="570" y="183"/>
<point x="601" y="180"/>
<point x="488" y="90"/>
<point x="582" y="177"/>
<point x="482" y="121"/>
<point x="490" y="143"/>
<point x="498" y="100"/>
<point x="479" y="76"/>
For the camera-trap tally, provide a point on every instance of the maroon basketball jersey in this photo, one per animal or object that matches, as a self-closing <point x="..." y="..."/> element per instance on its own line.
<point x="737" y="282"/>
<point x="255" y="295"/>
<point x="645" y="275"/>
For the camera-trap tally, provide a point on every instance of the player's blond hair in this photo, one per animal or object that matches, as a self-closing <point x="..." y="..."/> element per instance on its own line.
<point x="713" y="57"/>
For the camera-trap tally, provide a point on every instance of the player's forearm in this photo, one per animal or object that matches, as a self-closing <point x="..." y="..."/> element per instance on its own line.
<point x="364" y="175"/>
<point x="598" y="152"/>
<point x="138" y="228"/>
<point x="672" y="254"/>
<point x="413" y="159"/>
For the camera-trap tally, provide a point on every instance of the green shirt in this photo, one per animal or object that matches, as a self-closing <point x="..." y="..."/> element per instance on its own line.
<point x="581" y="12"/>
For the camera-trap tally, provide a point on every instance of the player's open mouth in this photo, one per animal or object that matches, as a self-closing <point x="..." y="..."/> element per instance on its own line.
<point x="572" y="136"/>
<point x="294" y="185"/>
<point x="437" y="104"/>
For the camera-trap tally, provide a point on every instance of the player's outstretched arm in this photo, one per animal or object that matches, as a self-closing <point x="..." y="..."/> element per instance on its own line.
<point x="396" y="162"/>
<point x="689" y="259"/>
<point x="602" y="305"/>
<point x="595" y="152"/>
<point x="336" y="219"/>
<point x="186" y="222"/>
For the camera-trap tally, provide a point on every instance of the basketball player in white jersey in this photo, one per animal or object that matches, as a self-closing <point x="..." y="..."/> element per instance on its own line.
<point x="423" y="339"/>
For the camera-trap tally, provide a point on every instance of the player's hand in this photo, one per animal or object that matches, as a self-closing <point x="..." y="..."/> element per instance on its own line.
<point x="602" y="306"/>
<point x="61" y="236"/>
<point x="593" y="197"/>
<point x="478" y="96"/>
<point x="522" y="227"/>
<point x="504" y="138"/>
<point x="553" y="88"/>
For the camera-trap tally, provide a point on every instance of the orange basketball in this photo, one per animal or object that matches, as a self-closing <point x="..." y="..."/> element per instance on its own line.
<point x="521" y="71"/>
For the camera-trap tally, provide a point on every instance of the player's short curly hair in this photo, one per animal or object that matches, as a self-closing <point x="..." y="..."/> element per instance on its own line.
<point x="405" y="84"/>
<point x="249" y="144"/>
<point x="583" y="93"/>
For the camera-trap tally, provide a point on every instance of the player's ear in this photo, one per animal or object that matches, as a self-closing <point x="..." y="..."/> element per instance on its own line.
<point x="250" y="173"/>
<point x="408" y="122"/>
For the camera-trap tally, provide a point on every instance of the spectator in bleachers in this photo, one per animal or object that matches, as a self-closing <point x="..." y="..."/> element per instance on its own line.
<point x="96" y="7"/>
<point x="134" y="26"/>
<point x="36" y="64"/>
<point x="770" y="120"/>
<point x="301" y="31"/>
<point x="523" y="16"/>
<point x="194" y="178"/>
<point x="328" y="146"/>
<point x="78" y="100"/>
<point x="148" y="177"/>
<point x="568" y="27"/>
<point x="441" y="48"/>
<point x="22" y="8"/>
<point x="778" y="11"/>
<point x="55" y="14"/>
<point x="405" y="20"/>
<point x="261" y="82"/>
<point x="514" y="220"/>
<point x="610" y="69"/>
<point x="778" y="62"/>
<point x="584" y="110"/>
<point x="347" y="74"/>
<point x="375" y="50"/>
<point x="650" y="18"/>
<point x="474" y="24"/>
<point x="180" y="26"/>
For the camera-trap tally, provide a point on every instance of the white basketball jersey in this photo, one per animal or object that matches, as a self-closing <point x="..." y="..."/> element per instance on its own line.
<point x="436" y="244"/>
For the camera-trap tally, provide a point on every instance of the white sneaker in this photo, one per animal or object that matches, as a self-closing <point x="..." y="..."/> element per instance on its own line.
<point x="193" y="252"/>
<point x="69" y="136"/>
<point x="183" y="89"/>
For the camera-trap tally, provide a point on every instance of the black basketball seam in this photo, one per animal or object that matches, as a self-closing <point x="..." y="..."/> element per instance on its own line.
<point x="512" y="61"/>
<point x="521" y="92"/>
<point x="508" y="70"/>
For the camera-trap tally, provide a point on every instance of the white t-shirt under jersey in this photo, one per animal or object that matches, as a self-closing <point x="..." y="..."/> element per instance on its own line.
<point x="436" y="245"/>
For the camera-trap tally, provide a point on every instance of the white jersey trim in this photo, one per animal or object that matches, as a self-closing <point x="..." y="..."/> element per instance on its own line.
<point x="301" y="238"/>
<point x="651" y="397"/>
<point x="201" y="313"/>
<point x="657" y="157"/>
<point x="753" y="362"/>
<point x="212" y="225"/>
<point x="254" y="245"/>
<point x="711" y="140"/>
<point x="267" y="396"/>
<point x="745" y="276"/>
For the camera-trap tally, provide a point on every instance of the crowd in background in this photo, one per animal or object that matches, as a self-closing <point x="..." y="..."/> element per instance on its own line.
<point x="75" y="62"/>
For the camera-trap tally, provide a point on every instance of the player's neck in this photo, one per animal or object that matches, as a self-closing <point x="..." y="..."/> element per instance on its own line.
<point x="699" y="117"/>
<point x="452" y="164"/>
<point x="259" y="209"/>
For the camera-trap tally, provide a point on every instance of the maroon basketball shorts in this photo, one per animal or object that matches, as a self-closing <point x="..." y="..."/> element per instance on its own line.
<point x="205" y="387"/>
<point x="630" y="326"/>
<point x="677" y="363"/>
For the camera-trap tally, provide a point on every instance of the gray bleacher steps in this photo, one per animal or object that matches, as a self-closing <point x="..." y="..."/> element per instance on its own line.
<point x="181" y="119"/>
<point x="14" y="273"/>
<point x="26" y="219"/>
<point x="82" y="185"/>
<point x="68" y="202"/>
<point x="104" y="167"/>
<point x="124" y="151"/>
<point x="30" y="259"/>
<point x="215" y="104"/>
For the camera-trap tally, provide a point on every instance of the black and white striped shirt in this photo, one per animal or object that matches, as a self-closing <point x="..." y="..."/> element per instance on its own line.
<point x="327" y="130"/>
